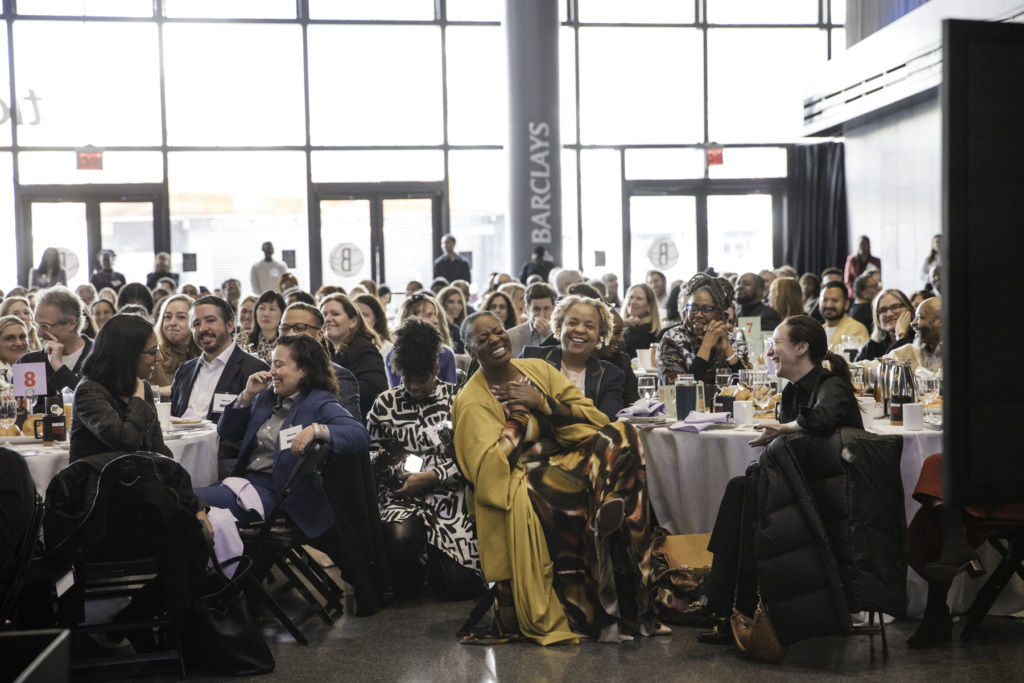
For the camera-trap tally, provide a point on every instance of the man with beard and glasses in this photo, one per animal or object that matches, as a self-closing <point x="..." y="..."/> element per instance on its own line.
<point x="749" y="293"/>
<point x="832" y="305"/>
<point x="203" y="386"/>
<point x="926" y="350"/>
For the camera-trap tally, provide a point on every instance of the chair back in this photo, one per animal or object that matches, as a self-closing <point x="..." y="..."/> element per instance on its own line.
<point x="310" y="464"/>
<point x="9" y="590"/>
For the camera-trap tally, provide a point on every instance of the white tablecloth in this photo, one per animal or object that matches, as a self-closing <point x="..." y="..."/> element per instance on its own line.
<point x="195" y="450"/>
<point x="687" y="474"/>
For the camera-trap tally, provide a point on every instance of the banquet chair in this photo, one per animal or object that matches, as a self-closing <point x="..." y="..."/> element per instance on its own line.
<point x="11" y="581"/>
<point x="276" y="542"/>
<point x="1011" y="546"/>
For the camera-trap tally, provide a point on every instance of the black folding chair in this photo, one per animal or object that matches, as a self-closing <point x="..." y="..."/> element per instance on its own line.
<point x="1011" y="546"/>
<point x="278" y="542"/>
<point x="10" y="584"/>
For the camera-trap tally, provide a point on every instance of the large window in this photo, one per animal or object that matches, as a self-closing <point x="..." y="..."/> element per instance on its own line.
<point x="240" y="109"/>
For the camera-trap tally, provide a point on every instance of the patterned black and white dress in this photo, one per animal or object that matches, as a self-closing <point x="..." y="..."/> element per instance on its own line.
<point x="396" y="416"/>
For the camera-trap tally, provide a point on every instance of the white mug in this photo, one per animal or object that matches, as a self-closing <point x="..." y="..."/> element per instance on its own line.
<point x="643" y="358"/>
<point x="743" y="412"/>
<point x="867" y="407"/>
<point x="163" y="411"/>
<point x="913" y="416"/>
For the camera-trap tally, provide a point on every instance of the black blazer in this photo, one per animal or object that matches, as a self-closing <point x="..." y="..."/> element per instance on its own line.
<point x="236" y="373"/>
<point x="363" y="360"/>
<point x="603" y="381"/>
<point x="56" y="380"/>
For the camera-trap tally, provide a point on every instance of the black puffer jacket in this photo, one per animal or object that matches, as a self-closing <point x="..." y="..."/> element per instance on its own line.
<point x="830" y="530"/>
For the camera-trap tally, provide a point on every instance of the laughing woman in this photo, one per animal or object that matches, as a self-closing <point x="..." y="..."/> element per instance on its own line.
<point x="559" y="497"/>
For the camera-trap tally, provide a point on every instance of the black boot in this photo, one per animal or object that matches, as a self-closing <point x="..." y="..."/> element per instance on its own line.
<point x="937" y="625"/>
<point x="957" y="555"/>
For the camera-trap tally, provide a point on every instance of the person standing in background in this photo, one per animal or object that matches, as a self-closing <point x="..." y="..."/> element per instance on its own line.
<point x="450" y="265"/>
<point x="106" y="276"/>
<point x="161" y="269"/>
<point x="266" y="273"/>
<point x="50" y="272"/>
<point x="858" y="263"/>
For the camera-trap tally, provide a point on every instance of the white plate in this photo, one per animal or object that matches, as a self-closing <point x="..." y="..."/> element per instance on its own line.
<point x="724" y="425"/>
<point x="191" y="425"/>
<point x="18" y="440"/>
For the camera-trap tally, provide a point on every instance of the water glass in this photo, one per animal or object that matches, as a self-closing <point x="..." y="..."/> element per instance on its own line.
<point x="647" y="385"/>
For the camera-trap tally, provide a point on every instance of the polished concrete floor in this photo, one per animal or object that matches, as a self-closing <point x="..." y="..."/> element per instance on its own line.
<point x="415" y="641"/>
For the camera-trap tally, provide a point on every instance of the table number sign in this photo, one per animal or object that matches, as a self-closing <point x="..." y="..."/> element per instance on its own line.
<point x="29" y="379"/>
<point x="750" y="326"/>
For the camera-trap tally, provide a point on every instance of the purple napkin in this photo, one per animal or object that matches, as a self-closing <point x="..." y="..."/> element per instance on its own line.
<point x="698" y="422"/>
<point x="643" y="408"/>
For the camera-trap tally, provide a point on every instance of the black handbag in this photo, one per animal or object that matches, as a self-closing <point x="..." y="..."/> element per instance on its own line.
<point x="219" y="633"/>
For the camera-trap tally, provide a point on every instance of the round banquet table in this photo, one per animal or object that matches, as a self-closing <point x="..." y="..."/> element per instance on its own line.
<point x="687" y="474"/>
<point x="196" y="450"/>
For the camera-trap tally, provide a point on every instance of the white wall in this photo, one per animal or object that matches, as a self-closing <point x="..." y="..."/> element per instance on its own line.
<point x="894" y="189"/>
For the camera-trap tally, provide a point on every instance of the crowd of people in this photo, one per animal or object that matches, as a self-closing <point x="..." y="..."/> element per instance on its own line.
<point x="531" y="375"/>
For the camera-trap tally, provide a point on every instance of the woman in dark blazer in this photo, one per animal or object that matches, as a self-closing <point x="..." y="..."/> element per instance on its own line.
<point x="276" y="416"/>
<point x="582" y="325"/>
<point x="356" y="347"/>
<point x="113" y="405"/>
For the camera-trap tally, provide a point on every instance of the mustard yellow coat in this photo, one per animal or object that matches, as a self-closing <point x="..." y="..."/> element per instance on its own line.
<point x="510" y="536"/>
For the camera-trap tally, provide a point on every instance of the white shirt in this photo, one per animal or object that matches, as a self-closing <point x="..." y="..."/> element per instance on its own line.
<point x="578" y="378"/>
<point x="266" y="275"/>
<point x="206" y="383"/>
<point x="71" y="359"/>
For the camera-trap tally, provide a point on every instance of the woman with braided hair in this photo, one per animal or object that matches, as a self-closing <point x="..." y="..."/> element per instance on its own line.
<point x="700" y="344"/>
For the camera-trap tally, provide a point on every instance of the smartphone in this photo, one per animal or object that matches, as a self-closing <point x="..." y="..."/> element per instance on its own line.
<point x="413" y="463"/>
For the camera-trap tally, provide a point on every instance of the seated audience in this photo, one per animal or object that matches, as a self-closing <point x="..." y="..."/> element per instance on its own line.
<point x="832" y="305"/>
<point x="355" y="348"/>
<point x="516" y="293"/>
<point x="559" y="498"/>
<point x="203" y="386"/>
<point x="376" y="319"/>
<point x="540" y="304"/>
<point x="308" y="320"/>
<point x="810" y="285"/>
<point x="246" y="314"/>
<point x="613" y="353"/>
<point x="176" y="342"/>
<point x="701" y="344"/>
<point x="865" y="287"/>
<point x="817" y="400"/>
<point x="892" y="314"/>
<point x="59" y="319"/>
<point x="298" y="391"/>
<point x="455" y="310"/>
<point x="13" y="341"/>
<point x="920" y="295"/>
<point x="102" y="311"/>
<point x="87" y="293"/>
<point x="750" y="290"/>
<point x="427" y="531"/>
<point x="261" y="340"/>
<point x="785" y="297"/>
<point x="926" y="349"/>
<point x="19" y="306"/>
<point x="643" y="322"/>
<point x="582" y="325"/>
<point x="425" y="307"/>
<point x="113" y="406"/>
<point x="498" y="303"/>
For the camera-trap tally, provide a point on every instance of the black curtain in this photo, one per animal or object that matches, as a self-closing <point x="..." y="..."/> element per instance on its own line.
<point x="816" y="234"/>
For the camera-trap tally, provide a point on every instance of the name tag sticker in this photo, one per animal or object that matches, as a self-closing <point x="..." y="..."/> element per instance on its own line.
<point x="220" y="401"/>
<point x="286" y="436"/>
<point x="64" y="583"/>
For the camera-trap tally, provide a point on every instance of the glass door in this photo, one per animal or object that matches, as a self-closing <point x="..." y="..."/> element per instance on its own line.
<point x="386" y="232"/>
<point x="63" y="226"/>
<point x="663" y="236"/>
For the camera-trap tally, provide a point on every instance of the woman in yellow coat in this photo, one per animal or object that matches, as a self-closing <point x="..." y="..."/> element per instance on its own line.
<point x="559" y="497"/>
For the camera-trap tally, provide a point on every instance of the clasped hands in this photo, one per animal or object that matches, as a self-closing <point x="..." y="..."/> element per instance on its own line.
<point x="517" y="395"/>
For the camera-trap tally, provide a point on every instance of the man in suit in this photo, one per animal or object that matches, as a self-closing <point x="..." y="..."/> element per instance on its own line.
<point x="59" y="317"/>
<point x="540" y="303"/>
<point x="203" y="386"/>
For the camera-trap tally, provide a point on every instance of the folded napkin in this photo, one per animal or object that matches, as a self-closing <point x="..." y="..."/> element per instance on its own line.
<point x="698" y="422"/>
<point x="644" y="407"/>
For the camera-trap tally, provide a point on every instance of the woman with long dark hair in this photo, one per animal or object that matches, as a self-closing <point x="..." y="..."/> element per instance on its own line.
<point x="355" y="347"/>
<point x="501" y="305"/>
<point x="49" y="272"/>
<point x="818" y="400"/>
<point x="262" y="339"/>
<point x="376" y="319"/>
<point x="113" y="406"/>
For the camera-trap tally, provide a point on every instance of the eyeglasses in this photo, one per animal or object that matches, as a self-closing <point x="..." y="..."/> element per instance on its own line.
<point x="155" y="351"/>
<point x="894" y="307"/>
<point x="770" y="342"/>
<point x="706" y="309"/>
<point x="298" y="327"/>
<point x="46" y="327"/>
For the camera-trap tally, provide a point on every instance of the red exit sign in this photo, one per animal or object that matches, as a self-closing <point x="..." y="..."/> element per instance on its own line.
<point x="90" y="161"/>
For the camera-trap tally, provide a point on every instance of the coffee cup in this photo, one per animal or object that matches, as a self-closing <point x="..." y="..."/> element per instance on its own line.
<point x="163" y="411"/>
<point x="867" y="407"/>
<point x="743" y="412"/>
<point x="913" y="416"/>
<point x="643" y="358"/>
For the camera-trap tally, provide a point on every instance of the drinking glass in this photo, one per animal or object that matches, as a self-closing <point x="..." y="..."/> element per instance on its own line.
<point x="723" y="377"/>
<point x="857" y="376"/>
<point x="8" y="412"/>
<point x="928" y="389"/>
<point x="761" y="390"/>
<point x="647" y="385"/>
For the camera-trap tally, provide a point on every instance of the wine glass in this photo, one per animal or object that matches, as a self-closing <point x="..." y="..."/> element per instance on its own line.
<point x="647" y="385"/>
<point x="928" y="389"/>
<point x="723" y="377"/>
<point x="760" y="390"/>
<point x="8" y="412"/>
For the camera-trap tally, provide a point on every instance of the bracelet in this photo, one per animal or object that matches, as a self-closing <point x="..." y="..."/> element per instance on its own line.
<point x="733" y="357"/>
<point x="316" y="431"/>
